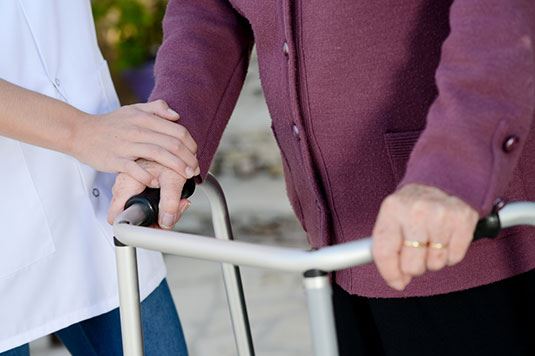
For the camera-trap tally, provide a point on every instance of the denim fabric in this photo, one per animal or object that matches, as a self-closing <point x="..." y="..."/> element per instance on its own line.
<point x="23" y="350"/>
<point x="101" y="335"/>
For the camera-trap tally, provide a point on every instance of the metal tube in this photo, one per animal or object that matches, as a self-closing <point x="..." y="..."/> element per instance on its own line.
<point x="321" y="314"/>
<point x="131" y="331"/>
<point x="241" y="253"/>
<point x="231" y="273"/>
<point x="517" y="213"/>
<point x="247" y="254"/>
<point x="134" y="215"/>
<point x="287" y="259"/>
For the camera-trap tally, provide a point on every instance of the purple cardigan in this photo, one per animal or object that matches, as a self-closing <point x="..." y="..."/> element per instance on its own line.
<point x="353" y="87"/>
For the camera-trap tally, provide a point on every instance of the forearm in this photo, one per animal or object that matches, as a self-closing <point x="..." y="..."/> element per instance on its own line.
<point x="486" y="95"/>
<point x="200" y="67"/>
<point x="37" y="119"/>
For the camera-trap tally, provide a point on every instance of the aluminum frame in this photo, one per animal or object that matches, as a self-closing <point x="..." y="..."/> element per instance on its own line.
<point x="236" y="253"/>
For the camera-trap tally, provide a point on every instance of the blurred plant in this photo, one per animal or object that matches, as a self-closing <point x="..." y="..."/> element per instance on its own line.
<point x="129" y="31"/>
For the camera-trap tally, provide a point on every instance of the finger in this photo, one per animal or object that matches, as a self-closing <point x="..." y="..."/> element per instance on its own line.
<point x="171" y="185"/>
<point x="172" y="129"/>
<point x="183" y="206"/>
<point x="186" y="138"/>
<point x="437" y="252"/>
<point x="124" y="188"/>
<point x="159" y="108"/>
<point x="439" y="230"/>
<point x="162" y="156"/>
<point x="138" y="173"/>
<point x="386" y="245"/>
<point x="461" y="238"/>
<point x="413" y="259"/>
<point x="171" y="144"/>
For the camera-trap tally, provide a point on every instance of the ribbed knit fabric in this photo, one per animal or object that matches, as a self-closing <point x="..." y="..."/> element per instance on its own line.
<point x="352" y="87"/>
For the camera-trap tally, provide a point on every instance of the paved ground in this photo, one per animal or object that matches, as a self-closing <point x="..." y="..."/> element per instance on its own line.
<point x="248" y="166"/>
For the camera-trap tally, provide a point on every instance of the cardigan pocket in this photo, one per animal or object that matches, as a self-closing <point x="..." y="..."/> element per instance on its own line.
<point x="288" y="179"/>
<point x="399" y="146"/>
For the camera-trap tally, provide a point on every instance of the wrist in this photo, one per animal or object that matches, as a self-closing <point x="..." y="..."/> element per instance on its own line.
<point x="75" y="134"/>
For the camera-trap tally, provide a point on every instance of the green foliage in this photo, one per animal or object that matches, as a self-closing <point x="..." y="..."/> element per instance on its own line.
<point x="129" y="31"/>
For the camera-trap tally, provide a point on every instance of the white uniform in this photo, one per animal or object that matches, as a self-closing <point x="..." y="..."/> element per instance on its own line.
<point x="57" y="264"/>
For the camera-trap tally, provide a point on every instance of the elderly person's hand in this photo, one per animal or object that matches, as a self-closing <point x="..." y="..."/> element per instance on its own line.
<point x="420" y="228"/>
<point x="170" y="183"/>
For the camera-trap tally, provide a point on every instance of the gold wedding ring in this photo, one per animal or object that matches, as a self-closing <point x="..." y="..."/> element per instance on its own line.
<point x="438" y="245"/>
<point x="414" y="243"/>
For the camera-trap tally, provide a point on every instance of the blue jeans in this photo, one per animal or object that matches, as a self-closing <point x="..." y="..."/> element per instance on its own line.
<point x="101" y="335"/>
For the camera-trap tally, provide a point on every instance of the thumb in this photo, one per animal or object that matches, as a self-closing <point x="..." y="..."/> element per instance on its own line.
<point x="170" y="207"/>
<point x="161" y="109"/>
<point x="124" y="187"/>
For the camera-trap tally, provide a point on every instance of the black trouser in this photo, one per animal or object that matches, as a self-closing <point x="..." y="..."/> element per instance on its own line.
<point x="496" y="319"/>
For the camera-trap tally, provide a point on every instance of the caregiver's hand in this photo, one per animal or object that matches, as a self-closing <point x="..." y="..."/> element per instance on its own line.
<point x="112" y="142"/>
<point x="170" y="183"/>
<point x="420" y="228"/>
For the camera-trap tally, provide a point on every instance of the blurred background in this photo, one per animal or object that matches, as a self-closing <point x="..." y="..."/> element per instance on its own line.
<point x="249" y="169"/>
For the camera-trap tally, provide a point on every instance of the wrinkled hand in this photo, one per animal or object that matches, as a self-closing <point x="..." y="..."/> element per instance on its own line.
<point x="170" y="183"/>
<point x="112" y="142"/>
<point x="420" y="228"/>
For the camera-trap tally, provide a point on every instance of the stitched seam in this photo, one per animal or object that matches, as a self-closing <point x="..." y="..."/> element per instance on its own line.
<point x="315" y="142"/>
<point x="492" y="178"/>
<point x="395" y="175"/>
<point x="51" y="243"/>
<point x="40" y="53"/>
<point x="299" y="206"/>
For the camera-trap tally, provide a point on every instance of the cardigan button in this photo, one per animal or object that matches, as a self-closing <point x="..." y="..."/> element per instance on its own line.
<point x="95" y="192"/>
<point x="295" y="131"/>
<point x="285" y="49"/>
<point x="510" y="143"/>
<point x="498" y="204"/>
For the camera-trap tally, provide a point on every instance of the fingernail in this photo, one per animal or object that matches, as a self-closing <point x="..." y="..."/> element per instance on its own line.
<point x="198" y="171"/>
<point x="399" y="285"/>
<point x="186" y="207"/>
<point x="172" y="112"/>
<point x="167" y="220"/>
<point x="189" y="172"/>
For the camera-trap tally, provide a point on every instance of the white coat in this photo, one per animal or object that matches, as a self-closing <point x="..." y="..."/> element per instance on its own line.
<point x="57" y="264"/>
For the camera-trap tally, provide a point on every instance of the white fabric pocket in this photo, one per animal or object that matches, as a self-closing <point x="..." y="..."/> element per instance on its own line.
<point x="25" y="236"/>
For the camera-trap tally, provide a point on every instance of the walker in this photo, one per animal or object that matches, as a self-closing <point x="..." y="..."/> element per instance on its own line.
<point x="142" y="210"/>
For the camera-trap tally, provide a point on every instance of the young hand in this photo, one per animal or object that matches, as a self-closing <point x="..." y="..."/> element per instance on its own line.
<point x="112" y="142"/>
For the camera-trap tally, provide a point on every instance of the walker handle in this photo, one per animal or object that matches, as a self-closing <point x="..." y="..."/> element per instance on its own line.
<point x="488" y="227"/>
<point x="150" y="198"/>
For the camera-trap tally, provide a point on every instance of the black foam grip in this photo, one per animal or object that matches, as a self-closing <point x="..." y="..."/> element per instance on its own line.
<point x="149" y="200"/>
<point x="488" y="227"/>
